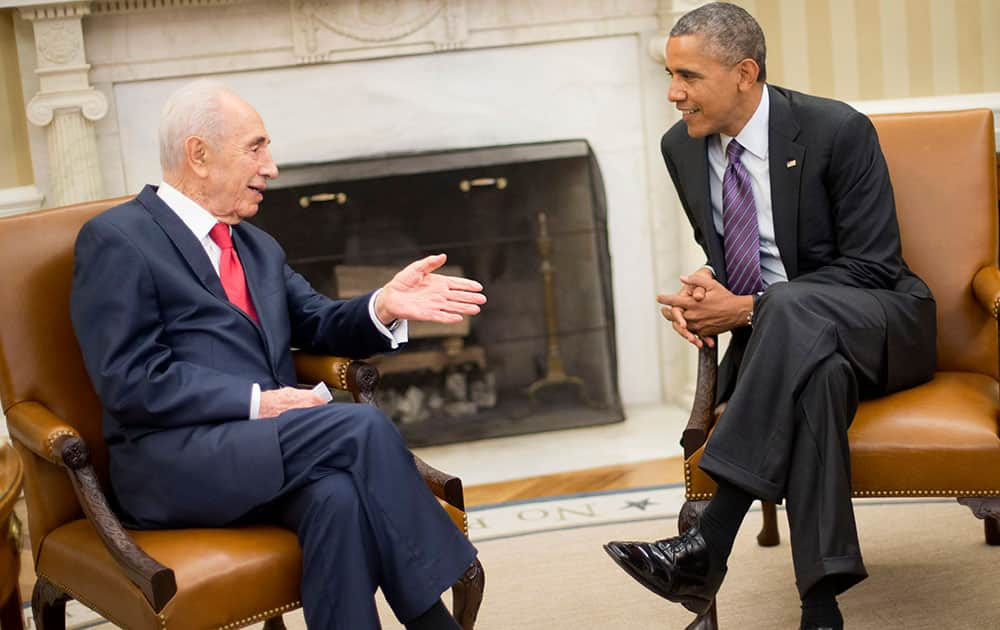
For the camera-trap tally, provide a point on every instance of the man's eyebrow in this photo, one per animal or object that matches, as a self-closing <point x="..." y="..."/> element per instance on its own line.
<point x="685" y="72"/>
<point x="259" y="140"/>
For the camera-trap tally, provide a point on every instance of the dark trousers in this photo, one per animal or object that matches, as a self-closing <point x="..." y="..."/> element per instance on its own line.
<point x="815" y="350"/>
<point x="364" y="517"/>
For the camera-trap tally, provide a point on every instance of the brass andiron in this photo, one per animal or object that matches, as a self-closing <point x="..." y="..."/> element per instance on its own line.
<point x="555" y="373"/>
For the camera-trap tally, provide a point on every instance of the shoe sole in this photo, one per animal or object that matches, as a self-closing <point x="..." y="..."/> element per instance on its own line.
<point x="697" y="605"/>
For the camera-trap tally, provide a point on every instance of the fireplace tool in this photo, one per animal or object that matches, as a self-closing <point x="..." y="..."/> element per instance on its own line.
<point x="555" y="373"/>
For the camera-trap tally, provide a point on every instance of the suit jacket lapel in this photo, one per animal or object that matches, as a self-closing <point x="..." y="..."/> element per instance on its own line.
<point x="184" y="241"/>
<point x="786" y="162"/>
<point x="694" y="164"/>
<point x="253" y="273"/>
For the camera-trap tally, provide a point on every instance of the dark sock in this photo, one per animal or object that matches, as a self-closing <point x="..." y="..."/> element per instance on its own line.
<point x="722" y="518"/>
<point x="436" y="617"/>
<point x="819" y="606"/>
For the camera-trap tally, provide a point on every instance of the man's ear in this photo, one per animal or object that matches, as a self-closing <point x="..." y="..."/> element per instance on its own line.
<point x="749" y="71"/>
<point x="196" y="155"/>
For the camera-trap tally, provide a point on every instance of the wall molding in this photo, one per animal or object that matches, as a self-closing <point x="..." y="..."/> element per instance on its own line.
<point x="19" y="199"/>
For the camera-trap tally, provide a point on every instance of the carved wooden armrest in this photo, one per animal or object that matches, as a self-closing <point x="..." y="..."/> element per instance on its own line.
<point x="443" y="485"/>
<point x="986" y="287"/>
<point x="703" y="410"/>
<point x="49" y="436"/>
<point x="350" y="375"/>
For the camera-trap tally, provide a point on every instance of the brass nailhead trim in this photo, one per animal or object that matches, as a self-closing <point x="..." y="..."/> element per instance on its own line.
<point x="55" y="436"/>
<point x="342" y="372"/>
<point x="702" y="496"/>
<point x="267" y="614"/>
<point x="996" y="308"/>
<point x="163" y="619"/>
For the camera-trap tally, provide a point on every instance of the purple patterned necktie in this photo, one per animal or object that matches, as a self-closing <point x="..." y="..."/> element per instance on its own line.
<point x="741" y="238"/>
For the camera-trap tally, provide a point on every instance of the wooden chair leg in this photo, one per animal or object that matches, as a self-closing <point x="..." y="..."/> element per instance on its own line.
<point x="275" y="623"/>
<point x="48" y="605"/>
<point x="690" y="513"/>
<point x="988" y="509"/>
<point x="768" y="536"/>
<point x="11" y="617"/>
<point x="992" y="527"/>
<point x="467" y="595"/>
<point x="688" y="518"/>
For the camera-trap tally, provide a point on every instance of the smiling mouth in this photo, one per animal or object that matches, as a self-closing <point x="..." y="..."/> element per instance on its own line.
<point x="688" y="112"/>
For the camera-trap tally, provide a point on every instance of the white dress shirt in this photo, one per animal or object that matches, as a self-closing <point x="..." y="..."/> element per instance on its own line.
<point x="753" y="137"/>
<point x="201" y="222"/>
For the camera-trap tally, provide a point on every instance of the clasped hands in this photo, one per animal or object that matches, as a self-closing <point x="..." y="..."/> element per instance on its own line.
<point x="415" y="293"/>
<point x="703" y="308"/>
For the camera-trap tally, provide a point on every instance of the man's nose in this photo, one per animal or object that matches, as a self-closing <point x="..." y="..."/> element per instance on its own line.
<point x="269" y="169"/>
<point x="675" y="93"/>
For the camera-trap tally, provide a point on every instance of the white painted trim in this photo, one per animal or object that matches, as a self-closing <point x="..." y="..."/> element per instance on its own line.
<point x="20" y="199"/>
<point x="989" y="100"/>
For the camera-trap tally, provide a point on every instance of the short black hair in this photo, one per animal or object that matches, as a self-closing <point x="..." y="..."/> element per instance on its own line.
<point x="731" y="34"/>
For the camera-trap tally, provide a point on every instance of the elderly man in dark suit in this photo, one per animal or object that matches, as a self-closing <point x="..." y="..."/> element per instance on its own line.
<point x="185" y="315"/>
<point x="789" y="197"/>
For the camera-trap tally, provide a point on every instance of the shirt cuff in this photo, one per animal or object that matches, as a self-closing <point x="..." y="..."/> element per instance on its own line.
<point x="709" y="267"/>
<point x="254" y="401"/>
<point x="397" y="332"/>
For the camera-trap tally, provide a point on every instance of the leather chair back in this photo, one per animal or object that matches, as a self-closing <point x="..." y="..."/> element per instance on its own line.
<point x="40" y="359"/>
<point x="949" y="231"/>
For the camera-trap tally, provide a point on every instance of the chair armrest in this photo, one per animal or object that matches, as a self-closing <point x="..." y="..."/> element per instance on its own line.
<point x="986" y="287"/>
<point x="57" y="441"/>
<point x="38" y="429"/>
<point x="443" y="485"/>
<point x="703" y="410"/>
<point x="350" y="375"/>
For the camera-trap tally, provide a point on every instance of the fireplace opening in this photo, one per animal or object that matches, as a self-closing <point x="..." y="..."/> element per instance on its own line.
<point x="527" y="221"/>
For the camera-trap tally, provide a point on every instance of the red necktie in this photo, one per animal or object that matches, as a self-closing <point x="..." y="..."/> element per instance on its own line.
<point x="231" y="271"/>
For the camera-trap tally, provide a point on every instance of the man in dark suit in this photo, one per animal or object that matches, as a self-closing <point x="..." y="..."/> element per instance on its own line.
<point x="185" y="315"/>
<point x="790" y="198"/>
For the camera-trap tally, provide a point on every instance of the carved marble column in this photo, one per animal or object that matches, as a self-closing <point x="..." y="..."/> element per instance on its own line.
<point x="66" y="104"/>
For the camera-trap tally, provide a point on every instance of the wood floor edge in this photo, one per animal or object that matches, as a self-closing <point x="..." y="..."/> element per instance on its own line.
<point x="617" y="477"/>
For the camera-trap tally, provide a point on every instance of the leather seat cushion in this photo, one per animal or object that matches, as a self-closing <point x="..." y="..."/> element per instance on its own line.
<point x="939" y="439"/>
<point x="261" y="564"/>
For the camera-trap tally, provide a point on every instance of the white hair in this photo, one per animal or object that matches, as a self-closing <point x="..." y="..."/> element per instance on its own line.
<point x="193" y="110"/>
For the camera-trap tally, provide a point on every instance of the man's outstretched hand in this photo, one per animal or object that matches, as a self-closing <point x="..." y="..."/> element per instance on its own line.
<point x="415" y="293"/>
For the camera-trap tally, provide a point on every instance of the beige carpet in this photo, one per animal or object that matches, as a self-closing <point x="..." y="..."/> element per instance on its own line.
<point x="929" y="567"/>
<point x="930" y="570"/>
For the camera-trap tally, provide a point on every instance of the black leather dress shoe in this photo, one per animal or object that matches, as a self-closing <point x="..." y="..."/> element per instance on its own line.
<point x="678" y="568"/>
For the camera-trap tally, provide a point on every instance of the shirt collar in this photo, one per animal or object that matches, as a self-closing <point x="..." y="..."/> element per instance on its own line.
<point x="199" y="220"/>
<point x="753" y="136"/>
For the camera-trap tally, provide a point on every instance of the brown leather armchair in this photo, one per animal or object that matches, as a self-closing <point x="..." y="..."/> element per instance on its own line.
<point x="941" y="438"/>
<point x="190" y="578"/>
